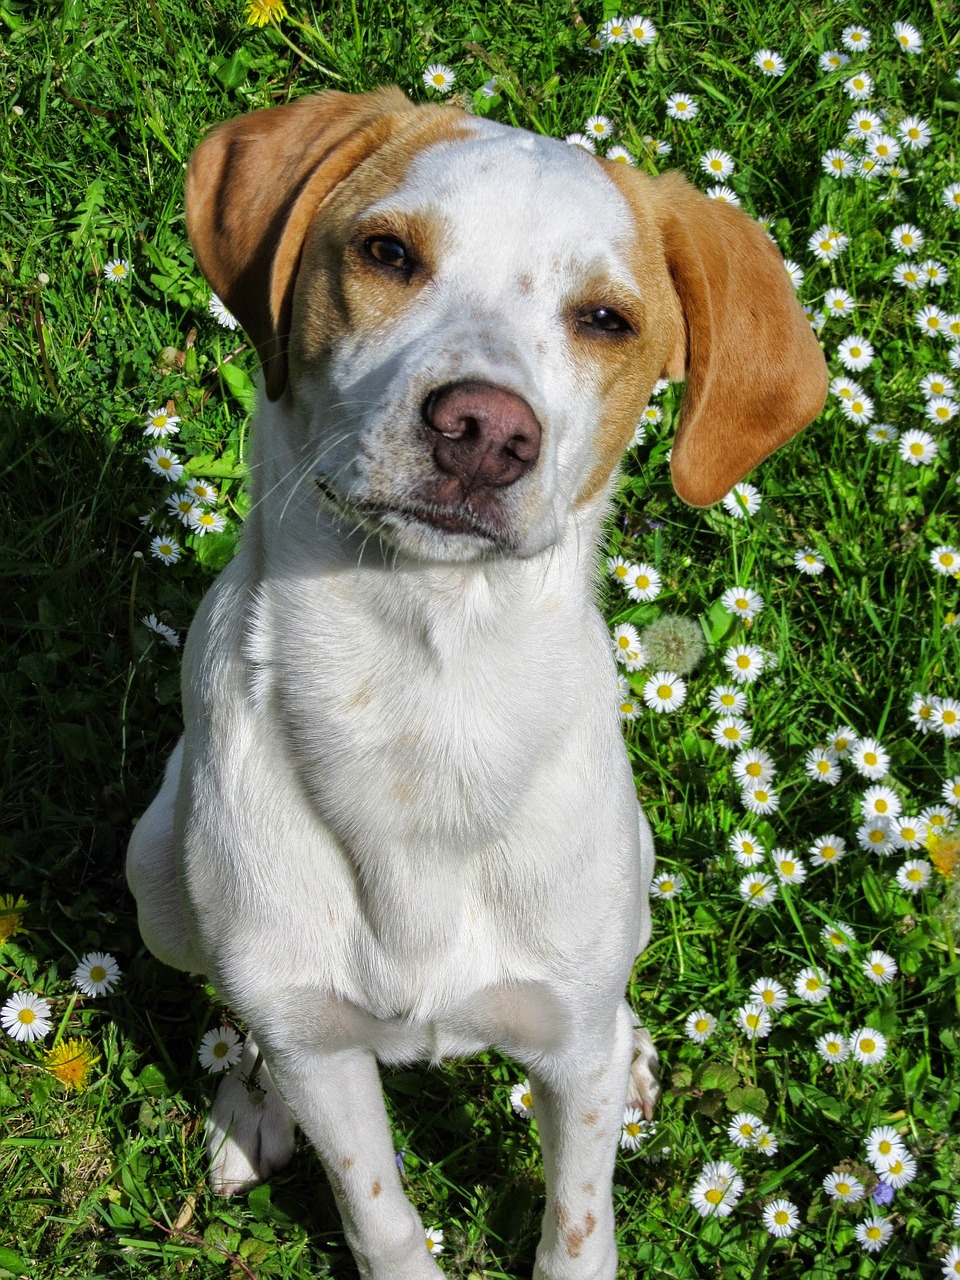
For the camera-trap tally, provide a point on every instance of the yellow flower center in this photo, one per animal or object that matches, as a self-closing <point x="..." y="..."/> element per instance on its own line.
<point x="664" y="691"/>
<point x="868" y="1045"/>
<point x="642" y="581"/>
<point x="97" y="973"/>
<point x="714" y="1195"/>
<point x="26" y="1016"/>
<point x="788" y="868"/>
<point x="701" y="1025"/>
<point x="781" y="1217"/>
<point x="843" y="1188"/>
<point x="873" y="1233"/>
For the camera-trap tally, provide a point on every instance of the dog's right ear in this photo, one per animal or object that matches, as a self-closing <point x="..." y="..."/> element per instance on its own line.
<point x="253" y="187"/>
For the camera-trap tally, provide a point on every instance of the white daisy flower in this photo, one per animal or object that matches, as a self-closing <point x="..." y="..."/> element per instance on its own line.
<point x="859" y="87"/>
<point x="914" y="133"/>
<point x="937" y="384"/>
<point x="906" y="238"/>
<point x="97" y="973"/>
<point x="820" y="764"/>
<point x="727" y="698"/>
<point x="26" y="1017"/>
<point x="921" y="712"/>
<point x="950" y="1263"/>
<point x="838" y="302"/>
<point x="759" y="798"/>
<point x="598" y="127"/>
<point x="159" y="423"/>
<point x="951" y="790"/>
<point x="699" y="1026"/>
<point x="743" y="602"/>
<point x="907" y="37"/>
<point x="832" y="60"/>
<point x="897" y="1170"/>
<point x="627" y="648"/>
<point x="863" y="123"/>
<point x="868" y="1046"/>
<point x="622" y="156"/>
<point x="731" y="732"/>
<point x="858" y="409"/>
<point x="935" y="818"/>
<point x="869" y="167"/>
<point x="201" y="491"/>
<point x="787" y="867"/>
<point x="907" y="275"/>
<point x="753" y="767"/>
<point x="875" y="835"/>
<point x="680" y="106"/>
<point x="827" y="850"/>
<point x="165" y="549"/>
<point x="742" y="500"/>
<point x="582" y="141"/>
<point x="873" y="1233"/>
<point x="632" y="1129"/>
<point x="794" y="271"/>
<point x="746" y="848"/>
<point x="651" y="415"/>
<point x="930" y="319"/>
<point x="713" y="1197"/>
<point x="726" y="195"/>
<point x="832" y="1047"/>
<point x="757" y="889"/>
<point x="914" y="876"/>
<point x="181" y="505"/>
<point x="855" y="352"/>
<point x="744" y="662"/>
<point x="221" y="314"/>
<point x="869" y="758"/>
<point x="941" y="410"/>
<point x="614" y="31"/>
<point x="781" y="1218"/>
<point x="153" y="623"/>
<point x="811" y="986"/>
<point x="838" y="937"/>
<point x="881" y="433"/>
<point x="664" y="691"/>
<point x="769" y="993"/>
<point x="203" y="521"/>
<point x="907" y="833"/>
<point x="641" y="30"/>
<point x="117" y="269"/>
<point x="619" y="569"/>
<point x="717" y="164"/>
<point x="433" y="1238"/>
<point x="881" y="802"/>
<point x="643" y="582"/>
<point x="521" y="1099"/>
<point x="951" y="197"/>
<point x="744" y="1129"/>
<point x="883" y="1143"/>
<point x="629" y="706"/>
<point x="666" y="886"/>
<point x="439" y="78"/>
<point x="918" y="448"/>
<point x="883" y="148"/>
<point x="164" y="463"/>
<point x="754" y="1021"/>
<point x="839" y="163"/>
<point x="809" y="562"/>
<point x="220" y="1049"/>
<point x="855" y="38"/>
<point x="769" y="62"/>
<point x="826" y="244"/>
<point x="946" y="718"/>
<point x="844" y="1187"/>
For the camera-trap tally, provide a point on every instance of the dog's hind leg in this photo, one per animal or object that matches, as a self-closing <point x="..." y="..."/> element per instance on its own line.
<point x="152" y="877"/>
<point x="250" y="1129"/>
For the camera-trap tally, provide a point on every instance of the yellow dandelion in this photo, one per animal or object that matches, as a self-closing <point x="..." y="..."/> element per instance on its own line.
<point x="71" y="1062"/>
<point x="260" y="12"/>
<point x="944" y="852"/>
<point x="11" y="916"/>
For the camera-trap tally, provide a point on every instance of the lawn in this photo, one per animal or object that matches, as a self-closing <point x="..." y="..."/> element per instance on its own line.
<point x="802" y="983"/>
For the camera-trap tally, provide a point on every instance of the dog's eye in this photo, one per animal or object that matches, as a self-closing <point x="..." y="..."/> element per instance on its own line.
<point x="604" y="320"/>
<point x="389" y="251"/>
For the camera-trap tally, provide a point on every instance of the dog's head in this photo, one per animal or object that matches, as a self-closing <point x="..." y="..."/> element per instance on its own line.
<point x="468" y="319"/>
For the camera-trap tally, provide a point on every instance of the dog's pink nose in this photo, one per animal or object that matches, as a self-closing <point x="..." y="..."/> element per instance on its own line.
<point x="483" y="435"/>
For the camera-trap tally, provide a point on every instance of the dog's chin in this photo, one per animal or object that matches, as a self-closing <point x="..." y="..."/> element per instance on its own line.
<point x="446" y="532"/>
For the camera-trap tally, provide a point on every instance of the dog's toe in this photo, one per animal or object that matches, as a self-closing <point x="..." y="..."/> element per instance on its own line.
<point x="250" y="1130"/>
<point x="644" y="1087"/>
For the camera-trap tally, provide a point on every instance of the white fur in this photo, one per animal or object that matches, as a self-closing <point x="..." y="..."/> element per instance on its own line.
<point x="404" y="824"/>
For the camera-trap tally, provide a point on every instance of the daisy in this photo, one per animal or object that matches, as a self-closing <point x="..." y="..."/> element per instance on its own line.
<point x="832" y="1047"/>
<point x="743" y="602"/>
<point x="855" y="353"/>
<point x="956" y="1214"/>
<point x="744" y="662"/>
<point x="881" y="433"/>
<point x="165" y="549"/>
<point x="666" y="886"/>
<point x="809" y="562"/>
<point x="826" y="244"/>
<point x="160" y="423"/>
<point x="717" y="164"/>
<point x="918" y="448"/>
<point x="641" y="30"/>
<point x="220" y="313"/>
<point x="936" y="384"/>
<point x="907" y="275"/>
<point x="914" y="133"/>
<point x="951" y="196"/>
<point x="838" y="163"/>
<point x="434" y="1240"/>
<point x="521" y="1099"/>
<point x="664" y="691"/>
<point x="951" y="331"/>
<point x="633" y="1129"/>
<point x="153" y="623"/>
<point x="858" y="408"/>
<point x="614" y="31"/>
<point x="622" y="156"/>
<point x="582" y="141"/>
<point x="897" y="1170"/>
<point x="933" y="272"/>
<point x="914" y="876"/>
<point x="744" y="1128"/>
<point x="181" y="505"/>
<point x="643" y="582"/>
<point x="203" y="522"/>
<point x="728" y="698"/>
<point x="164" y="463"/>
<point x="811" y="986"/>
<point x="907" y="238"/>
<point x="950" y="1264"/>
<point x="619" y="569"/>
<point x="767" y="1143"/>
<point x="941" y="409"/>
<point x="639" y="431"/>
<point x="652" y="414"/>
<point x="770" y="994"/>
<point x="201" y="491"/>
<point x="870" y="167"/>
<point x="837" y="302"/>
<point x="439" y="78"/>
<point x="935" y="818"/>
<point x="220" y="1049"/>
<point x="883" y="148"/>
<point x="96" y="974"/>
<point x="873" y="1233"/>
<point x="731" y="732"/>
<point x="726" y="195"/>
<point x="627" y="648"/>
<point x="931" y="319"/>
<point x="921" y="712"/>
<point x="71" y="1062"/>
<point x="714" y="1197"/>
<point x="794" y="271"/>
<point x="742" y="500"/>
<point x="754" y="1020"/>
<point x="781" y="1218"/>
<point x="26" y="1016"/>
<point x="855" y="38"/>
<point x="863" y="123"/>
<point x="598" y="127"/>
<point x="680" y="106"/>
<point x="757" y="889"/>
<point x="769" y="62"/>
<point x="907" y="37"/>
<point x="876" y="836"/>
<point x="946" y="718"/>
<point x="883" y="1142"/>
<point x="869" y="758"/>
<point x="787" y="868"/>
<point x="826" y="850"/>
<point x="859" y="86"/>
<point x="837" y="937"/>
<point x="907" y="833"/>
<point x="881" y="802"/>
<point x="753" y="767"/>
<point x="845" y="388"/>
<point x="116" y="269"/>
<point x="951" y="790"/>
<point x="759" y="798"/>
<point x="629" y="707"/>
<point x="700" y="1026"/>
<point x="745" y="848"/>
<point x="868" y="1046"/>
<point x="844" y="1187"/>
<point x="820" y="764"/>
<point x="832" y="60"/>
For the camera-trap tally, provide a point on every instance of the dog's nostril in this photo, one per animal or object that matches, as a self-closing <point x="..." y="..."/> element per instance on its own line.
<point x="484" y="435"/>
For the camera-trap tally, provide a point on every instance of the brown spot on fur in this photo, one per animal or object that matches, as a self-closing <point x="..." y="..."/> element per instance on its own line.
<point x="589" y="1189"/>
<point x="375" y="1190"/>
<point x="575" y="1237"/>
<point x="347" y="1162"/>
<point x="591" y="1117"/>
<point x="524" y="284"/>
<point x="363" y="696"/>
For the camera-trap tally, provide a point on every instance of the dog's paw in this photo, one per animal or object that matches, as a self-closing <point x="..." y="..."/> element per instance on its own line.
<point x="644" y="1087"/>
<point x="250" y="1128"/>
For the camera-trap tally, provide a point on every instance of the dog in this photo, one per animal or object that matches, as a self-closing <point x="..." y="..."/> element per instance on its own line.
<point x="401" y="823"/>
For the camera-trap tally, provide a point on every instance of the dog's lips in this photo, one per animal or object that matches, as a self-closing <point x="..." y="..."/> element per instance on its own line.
<point x="458" y="518"/>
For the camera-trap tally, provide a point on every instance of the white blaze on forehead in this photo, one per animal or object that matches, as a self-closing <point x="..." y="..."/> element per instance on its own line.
<point x="516" y="202"/>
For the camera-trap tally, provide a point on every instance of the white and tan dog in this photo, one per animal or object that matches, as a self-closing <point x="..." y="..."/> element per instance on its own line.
<point x="401" y="823"/>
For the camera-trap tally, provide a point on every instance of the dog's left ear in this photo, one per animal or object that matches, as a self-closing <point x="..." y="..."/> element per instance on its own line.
<point x="253" y="187"/>
<point x="755" y="372"/>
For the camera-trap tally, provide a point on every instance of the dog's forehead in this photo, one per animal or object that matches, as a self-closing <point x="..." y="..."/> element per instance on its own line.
<point x="520" y="192"/>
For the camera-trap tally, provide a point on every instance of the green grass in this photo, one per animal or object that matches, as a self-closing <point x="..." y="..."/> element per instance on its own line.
<point x="103" y="103"/>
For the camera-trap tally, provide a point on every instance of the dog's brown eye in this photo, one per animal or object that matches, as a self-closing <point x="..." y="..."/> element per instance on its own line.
<point x="604" y="320"/>
<point x="388" y="250"/>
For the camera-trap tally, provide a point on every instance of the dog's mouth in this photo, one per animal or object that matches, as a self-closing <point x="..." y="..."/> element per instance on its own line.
<point x="458" y="518"/>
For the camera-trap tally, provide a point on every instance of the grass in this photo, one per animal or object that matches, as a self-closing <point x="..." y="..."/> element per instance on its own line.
<point x="103" y="104"/>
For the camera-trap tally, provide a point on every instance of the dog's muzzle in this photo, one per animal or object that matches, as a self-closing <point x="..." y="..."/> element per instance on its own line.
<point x="484" y="436"/>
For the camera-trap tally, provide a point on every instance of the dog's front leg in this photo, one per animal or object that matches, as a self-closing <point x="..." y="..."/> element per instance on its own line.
<point x="338" y="1101"/>
<point x="578" y="1098"/>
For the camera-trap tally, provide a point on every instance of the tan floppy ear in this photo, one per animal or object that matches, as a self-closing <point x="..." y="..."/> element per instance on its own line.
<point x="755" y="372"/>
<point x="253" y="186"/>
